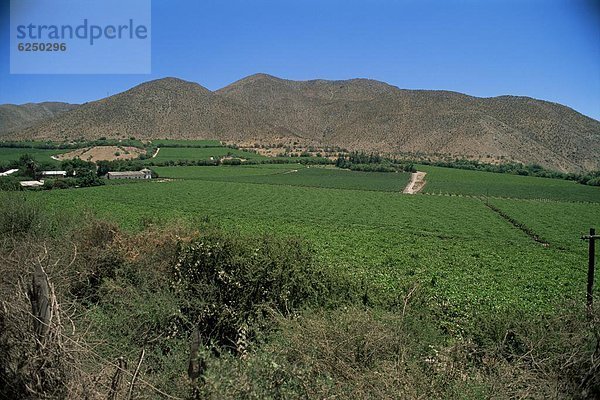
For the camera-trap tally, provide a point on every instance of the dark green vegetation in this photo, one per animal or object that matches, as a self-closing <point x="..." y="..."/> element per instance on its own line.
<point x="75" y="144"/>
<point x="479" y="183"/>
<point x="78" y="173"/>
<point x="360" y="161"/>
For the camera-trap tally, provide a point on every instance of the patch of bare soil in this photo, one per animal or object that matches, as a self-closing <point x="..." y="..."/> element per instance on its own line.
<point x="416" y="184"/>
<point x="285" y="149"/>
<point x="98" y="153"/>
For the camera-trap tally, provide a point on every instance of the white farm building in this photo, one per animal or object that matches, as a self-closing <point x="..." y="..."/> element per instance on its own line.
<point x="9" y="172"/>
<point x="59" y="174"/>
<point x="31" y="184"/>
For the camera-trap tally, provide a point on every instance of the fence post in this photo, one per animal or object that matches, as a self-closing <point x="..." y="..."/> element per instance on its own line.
<point x="40" y="302"/>
<point x="117" y="378"/>
<point x="590" y="278"/>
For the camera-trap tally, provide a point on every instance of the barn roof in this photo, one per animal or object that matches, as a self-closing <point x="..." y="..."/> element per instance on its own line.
<point x="49" y="173"/>
<point x="126" y="173"/>
<point x="31" y="183"/>
<point x="9" y="172"/>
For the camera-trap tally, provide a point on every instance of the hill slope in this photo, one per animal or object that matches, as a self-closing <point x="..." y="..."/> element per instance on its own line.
<point x="368" y="114"/>
<point x="165" y="108"/>
<point x="15" y="117"/>
<point x="355" y="114"/>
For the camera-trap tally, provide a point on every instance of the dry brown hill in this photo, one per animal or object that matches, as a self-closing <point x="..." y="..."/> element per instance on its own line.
<point x="163" y="108"/>
<point x="15" y="117"/>
<point x="355" y="114"/>
<point x="372" y="115"/>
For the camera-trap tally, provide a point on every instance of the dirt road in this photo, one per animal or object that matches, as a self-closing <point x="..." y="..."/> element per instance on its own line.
<point x="417" y="182"/>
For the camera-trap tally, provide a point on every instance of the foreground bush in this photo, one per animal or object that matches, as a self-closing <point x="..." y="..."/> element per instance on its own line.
<point x="20" y="217"/>
<point x="230" y="286"/>
<point x="357" y="353"/>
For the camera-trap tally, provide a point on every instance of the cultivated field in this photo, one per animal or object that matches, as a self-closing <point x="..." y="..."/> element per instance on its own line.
<point x="41" y="155"/>
<point x="478" y="183"/>
<point x="293" y="175"/>
<point x="364" y="228"/>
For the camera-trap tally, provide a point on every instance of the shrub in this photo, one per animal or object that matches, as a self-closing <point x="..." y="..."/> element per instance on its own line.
<point x="230" y="285"/>
<point x="593" y="182"/>
<point x="98" y="259"/>
<point x="89" y="178"/>
<point x="20" y="216"/>
<point x="9" y="183"/>
<point x="61" y="184"/>
<point x="231" y="161"/>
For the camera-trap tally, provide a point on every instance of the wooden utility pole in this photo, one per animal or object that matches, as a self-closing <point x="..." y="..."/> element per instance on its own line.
<point x="592" y="237"/>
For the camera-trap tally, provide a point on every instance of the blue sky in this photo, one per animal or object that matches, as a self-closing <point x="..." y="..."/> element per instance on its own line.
<point x="543" y="49"/>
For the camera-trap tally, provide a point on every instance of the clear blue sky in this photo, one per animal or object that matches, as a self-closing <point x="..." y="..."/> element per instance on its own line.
<point x="546" y="49"/>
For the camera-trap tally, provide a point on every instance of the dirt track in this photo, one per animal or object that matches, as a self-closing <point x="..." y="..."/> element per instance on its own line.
<point x="416" y="184"/>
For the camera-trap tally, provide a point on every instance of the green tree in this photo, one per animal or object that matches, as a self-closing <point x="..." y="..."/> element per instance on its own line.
<point x="30" y="165"/>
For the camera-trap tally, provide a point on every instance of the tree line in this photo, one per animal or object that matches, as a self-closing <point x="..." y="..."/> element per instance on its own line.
<point x="372" y="162"/>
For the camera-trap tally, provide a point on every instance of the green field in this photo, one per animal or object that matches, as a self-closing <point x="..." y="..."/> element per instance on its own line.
<point x="362" y="227"/>
<point x="201" y="153"/>
<point x="478" y="183"/>
<point x="223" y="172"/>
<point x="293" y="174"/>
<point x="40" y="155"/>
<point x="560" y="224"/>
<point x="188" y="143"/>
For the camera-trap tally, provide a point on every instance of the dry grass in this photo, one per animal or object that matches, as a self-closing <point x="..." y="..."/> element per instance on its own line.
<point x="103" y="153"/>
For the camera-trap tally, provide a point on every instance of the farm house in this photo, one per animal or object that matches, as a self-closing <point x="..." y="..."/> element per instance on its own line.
<point x="31" y="184"/>
<point x="9" y="172"/>
<point x="55" y="174"/>
<point x="143" y="174"/>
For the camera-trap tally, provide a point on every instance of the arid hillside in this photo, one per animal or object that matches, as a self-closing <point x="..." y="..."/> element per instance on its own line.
<point x="356" y="114"/>
<point x="165" y="108"/>
<point x="15" y="117"/>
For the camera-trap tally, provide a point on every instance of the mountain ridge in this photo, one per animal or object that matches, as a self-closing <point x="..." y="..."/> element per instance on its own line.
<point x="358" y="114"/>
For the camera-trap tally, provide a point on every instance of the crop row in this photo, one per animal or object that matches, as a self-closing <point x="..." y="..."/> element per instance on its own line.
<point x="489" y="184"/>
